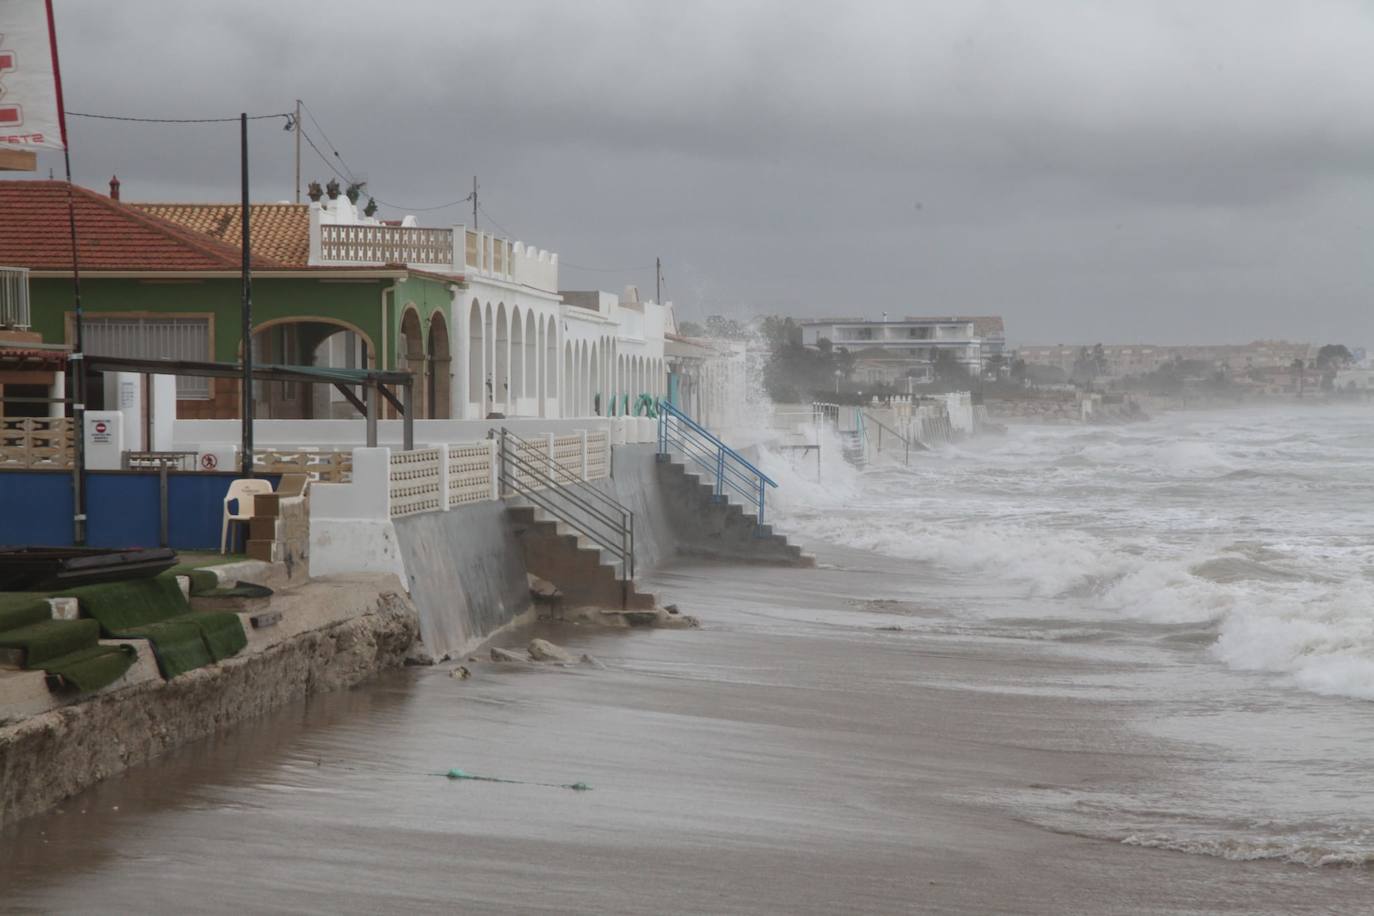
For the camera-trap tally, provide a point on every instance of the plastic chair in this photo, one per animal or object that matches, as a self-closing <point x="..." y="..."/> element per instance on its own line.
<point x="242" y="491"/>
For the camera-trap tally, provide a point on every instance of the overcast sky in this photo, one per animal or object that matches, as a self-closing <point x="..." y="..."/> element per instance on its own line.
<point x="1126" y="170"/>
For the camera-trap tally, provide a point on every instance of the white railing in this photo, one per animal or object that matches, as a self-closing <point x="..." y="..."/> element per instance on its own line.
<point x="436" y="479"/>
<point x="416" y="481"/>
<point x="35" y="443"/>
<point x="471" y="473"/>
<point x="14" y="297"/>
<point x="598" y="455"/>
<point x="324" y="466"/>
<point x="351" y="244"/>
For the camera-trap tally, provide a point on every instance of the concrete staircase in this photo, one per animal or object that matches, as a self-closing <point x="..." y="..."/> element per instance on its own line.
<point x="852" y="444"/>
<point x="723" y="529"/>
<point x="585" y="573"/>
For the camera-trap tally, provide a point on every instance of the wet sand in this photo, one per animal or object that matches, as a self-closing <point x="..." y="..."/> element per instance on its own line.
<point x="789" y="757"/>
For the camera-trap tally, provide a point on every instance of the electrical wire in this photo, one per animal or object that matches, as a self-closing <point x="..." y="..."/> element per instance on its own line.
<point x="323" y="157"/>
<point x="101" y="117"/>
<point x="452" y="203"/>
<point x="351" y="178"/>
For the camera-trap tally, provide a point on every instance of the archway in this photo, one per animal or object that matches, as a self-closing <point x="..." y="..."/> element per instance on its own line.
<point x="411" y="346"/>
<point x="565" y="406"/>
<point x="488" y="360"/>
<point x="500" y="392"/>
<point x="440" y="381"/>
<point x="551" y="365"/>
<point x="307" y="341"/>
<point x="598" y="404"/>
<point x="530" y="386"/>
<point x="516" y="383"/>
<point x="477" y="365"/>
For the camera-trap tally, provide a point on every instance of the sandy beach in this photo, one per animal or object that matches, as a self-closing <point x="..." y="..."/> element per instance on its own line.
<point x="793" y="755"/>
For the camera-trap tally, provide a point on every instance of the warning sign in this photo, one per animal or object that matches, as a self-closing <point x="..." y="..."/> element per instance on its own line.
<point x="208" y="461"/>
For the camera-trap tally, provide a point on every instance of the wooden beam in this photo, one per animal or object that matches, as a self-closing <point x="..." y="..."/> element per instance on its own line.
<point x="18" y="160"/>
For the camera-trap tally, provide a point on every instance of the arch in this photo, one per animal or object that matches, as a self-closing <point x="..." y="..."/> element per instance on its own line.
<point x="500" y="391"/>
<point x="307" y="340"/>
<point x="517" y="362"/>
<point x="440" y="382"/>
<point x="476" y="359"/>
<point x="596" y="378"/>
<point x="565" y="393"/>
<point x="551" y="375"/>
<point x="488" y="361"/>
<point x="411" y="345"/>
<point x="529" y="386"/>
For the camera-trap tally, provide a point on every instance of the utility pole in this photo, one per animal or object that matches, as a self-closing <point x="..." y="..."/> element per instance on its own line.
<point x="474" y="202"/>
<point x="298" y="150"/>
<point x="658" y="280"/>
<point x="246" y="459"/>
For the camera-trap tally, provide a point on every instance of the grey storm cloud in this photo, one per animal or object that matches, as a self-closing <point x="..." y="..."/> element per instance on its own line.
<point x="1169" y="171"/>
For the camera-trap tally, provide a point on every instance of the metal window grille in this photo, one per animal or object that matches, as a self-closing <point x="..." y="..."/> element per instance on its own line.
<point x="153" y="338"/>
<point x="14" y="298"/>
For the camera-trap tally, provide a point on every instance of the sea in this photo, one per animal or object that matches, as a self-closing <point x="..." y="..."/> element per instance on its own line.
<point x="1224" y="560"/>
<point x="1068" y="669"/>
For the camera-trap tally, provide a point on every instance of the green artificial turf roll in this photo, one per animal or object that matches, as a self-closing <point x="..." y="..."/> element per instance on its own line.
<point x="202" y="581"/>
<point x="178" y="645"/>
<point x="131" y="603"/>
<point x="19" y="609"/>
<point x="223" y="632"/>
<point x="156" y="610"/>
<point x="91" y="668"/>
<point x="49" y="639"/>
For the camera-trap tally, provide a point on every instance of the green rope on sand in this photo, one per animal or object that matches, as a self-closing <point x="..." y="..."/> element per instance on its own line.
<point x="456" y="773"/>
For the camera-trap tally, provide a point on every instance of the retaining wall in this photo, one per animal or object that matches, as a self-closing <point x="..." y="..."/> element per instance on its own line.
<point x="466" y="570"/>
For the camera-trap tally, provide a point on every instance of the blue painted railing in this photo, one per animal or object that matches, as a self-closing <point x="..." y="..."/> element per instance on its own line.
<point x="726" y="468"/>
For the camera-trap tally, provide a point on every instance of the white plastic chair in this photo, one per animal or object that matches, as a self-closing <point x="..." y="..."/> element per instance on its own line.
<point x="242" y="491"/>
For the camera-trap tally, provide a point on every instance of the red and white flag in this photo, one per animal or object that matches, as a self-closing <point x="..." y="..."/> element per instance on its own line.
<point x="30" y="87"/>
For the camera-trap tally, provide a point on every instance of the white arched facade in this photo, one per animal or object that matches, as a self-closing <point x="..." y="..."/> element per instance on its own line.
<point x="521" y="350"/>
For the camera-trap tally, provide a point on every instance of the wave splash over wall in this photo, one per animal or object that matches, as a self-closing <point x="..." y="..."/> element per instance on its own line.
<point x="1251" y="524"/>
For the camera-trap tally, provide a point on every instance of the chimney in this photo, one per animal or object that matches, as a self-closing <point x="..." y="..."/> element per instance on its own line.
<point x="114" y="187"/>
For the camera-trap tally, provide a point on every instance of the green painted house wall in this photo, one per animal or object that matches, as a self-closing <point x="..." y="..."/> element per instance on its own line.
<point x="426" y="296"/>
<point x="351" y="303"/>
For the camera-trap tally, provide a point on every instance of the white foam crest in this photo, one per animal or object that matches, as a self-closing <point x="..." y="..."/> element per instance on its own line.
<point x="1322" y="636"/>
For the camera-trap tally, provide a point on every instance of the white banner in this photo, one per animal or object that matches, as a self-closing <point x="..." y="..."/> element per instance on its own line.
<point x="29" y="116"/>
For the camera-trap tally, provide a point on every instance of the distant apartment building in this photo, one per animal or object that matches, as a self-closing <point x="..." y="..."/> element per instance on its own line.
<point x="1121" y="360"/>
<point x="891" y="351"/>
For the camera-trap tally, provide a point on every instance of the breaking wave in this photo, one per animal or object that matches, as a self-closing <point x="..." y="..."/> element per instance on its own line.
<point x="1211" y="522"/>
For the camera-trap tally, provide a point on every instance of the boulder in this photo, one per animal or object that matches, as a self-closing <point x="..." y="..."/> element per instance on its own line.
<point x="506" y="655"/>
<point x="541" y="650"/>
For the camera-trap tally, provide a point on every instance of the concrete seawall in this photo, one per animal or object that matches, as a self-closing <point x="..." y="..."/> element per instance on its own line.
<point x="466" y="571"/>
<point x="466" y="576"/>
<point x="48" y="757"/>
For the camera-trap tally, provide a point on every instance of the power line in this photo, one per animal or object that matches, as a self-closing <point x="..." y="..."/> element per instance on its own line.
<point x="235" y="119"/>
<point x="504" y="230"/>
<point x="334" y="149"/>
<point x="452" y="203"/>
<point x="607" y="270"/>
<point x="323" y="157"/>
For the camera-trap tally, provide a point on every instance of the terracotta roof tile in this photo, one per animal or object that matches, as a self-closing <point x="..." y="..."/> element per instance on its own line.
<point x="280" y="231"/>
<point x="34" y="233"/>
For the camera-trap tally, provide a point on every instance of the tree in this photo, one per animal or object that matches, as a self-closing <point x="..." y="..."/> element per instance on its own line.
<point x="947" y="367"/>
<point x="721" y="326"/>
<point x="691" y="329"/>
<point x="1018" y="370"/>
<point x="1334" y="356"/>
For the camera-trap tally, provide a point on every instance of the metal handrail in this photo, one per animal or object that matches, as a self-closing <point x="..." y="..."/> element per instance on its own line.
<point x="707" y="451"/>
<point x="617" y="524"/>
<point x="883" y="426"/>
